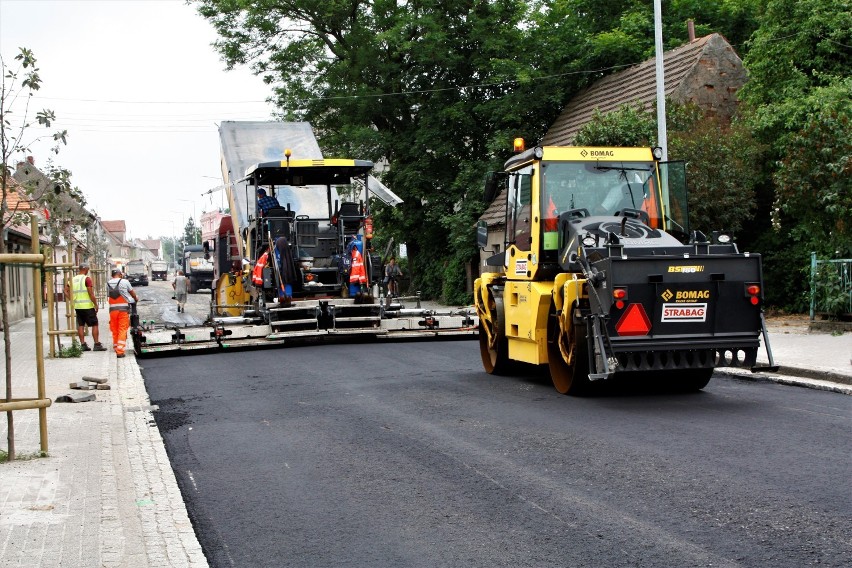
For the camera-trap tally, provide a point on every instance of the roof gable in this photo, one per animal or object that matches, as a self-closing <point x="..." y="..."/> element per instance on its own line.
<point x="706" y="71"/>
<point x="114" y="226"/>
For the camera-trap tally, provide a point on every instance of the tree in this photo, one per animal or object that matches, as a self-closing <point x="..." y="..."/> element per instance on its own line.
<point x="191" y="233"/>
<point x="437" y="89"/>
<point x="172" y="249"/>
<point x="17" y="87"/>
<point x="799" y="93"/>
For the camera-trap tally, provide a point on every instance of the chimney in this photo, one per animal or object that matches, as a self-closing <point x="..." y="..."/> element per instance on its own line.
<point x="31" y="160"/>
<point x="690" y="27"/>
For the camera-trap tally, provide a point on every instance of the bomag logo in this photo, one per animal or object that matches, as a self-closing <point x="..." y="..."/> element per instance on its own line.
<point x="603" y="154"/>
<point x="686" y="269"/>
<point x="692" y="295"/>
<point x="685" y="295"/>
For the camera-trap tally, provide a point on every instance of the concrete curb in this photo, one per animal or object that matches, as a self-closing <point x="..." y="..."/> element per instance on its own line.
<point x="791" y="376"/>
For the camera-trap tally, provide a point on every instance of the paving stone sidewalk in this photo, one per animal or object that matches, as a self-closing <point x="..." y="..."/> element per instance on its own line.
<point x="105" y="496"/>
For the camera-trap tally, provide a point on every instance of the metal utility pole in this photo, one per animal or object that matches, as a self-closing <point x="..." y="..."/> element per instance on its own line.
<point x="662" y="139"/>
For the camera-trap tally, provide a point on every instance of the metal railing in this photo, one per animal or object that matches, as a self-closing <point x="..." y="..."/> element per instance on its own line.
<point x="831" y="286"/>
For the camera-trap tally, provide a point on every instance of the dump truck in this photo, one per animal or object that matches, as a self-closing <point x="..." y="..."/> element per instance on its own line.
<point x="198" y="267"/>
<point x="136" y="272"/>
<point x="600" y="275"/>
<point x="285" y="272"/>
<point x="159" y="269"/>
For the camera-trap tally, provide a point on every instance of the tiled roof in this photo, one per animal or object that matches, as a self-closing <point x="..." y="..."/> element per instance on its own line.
<point x="114" y="226"/>
<point x="14" y="200"/>
<point x="152" y="244"/>
<point x="706" y="71"/>
<point x="17" y="203"/>
<point x="495" y="214"/>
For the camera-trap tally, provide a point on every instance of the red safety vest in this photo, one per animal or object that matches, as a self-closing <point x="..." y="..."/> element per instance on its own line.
<point x="358" y="273"/>
<point x="257" y="273"/>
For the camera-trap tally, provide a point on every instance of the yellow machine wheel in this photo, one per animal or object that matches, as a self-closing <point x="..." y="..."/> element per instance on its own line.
<point x="567" y="379"/>
<point x="493" y="346"/>
<point x="495" y="359"/>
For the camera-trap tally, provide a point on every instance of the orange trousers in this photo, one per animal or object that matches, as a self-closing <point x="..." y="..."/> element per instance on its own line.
<point x="119" y="323"/>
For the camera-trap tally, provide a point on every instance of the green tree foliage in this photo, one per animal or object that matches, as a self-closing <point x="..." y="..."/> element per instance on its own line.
<point x="439" y="89"/>
<point x="723" y="169"/>
<point x="191" y="233"/>
<point x="627" y="126"/>
<point x="172" y="248"/>
<point x="800" y="46"/>
<point x="436" y="88"/>
<point x="814" y="175"/>
<point x="620" y="33"/>
<point x="799" y="93"/>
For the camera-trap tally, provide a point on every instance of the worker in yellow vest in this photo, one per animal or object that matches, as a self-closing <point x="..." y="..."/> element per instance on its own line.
<point x="86" y="306"/>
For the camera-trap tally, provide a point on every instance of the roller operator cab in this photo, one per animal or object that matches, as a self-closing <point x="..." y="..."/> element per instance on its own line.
<point x="600" y="276"/>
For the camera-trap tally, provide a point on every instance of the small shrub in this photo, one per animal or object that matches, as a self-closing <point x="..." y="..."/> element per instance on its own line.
<point x="4" y="456"/>
<point x="831" y="297"/>
<point x="74" y="350"/>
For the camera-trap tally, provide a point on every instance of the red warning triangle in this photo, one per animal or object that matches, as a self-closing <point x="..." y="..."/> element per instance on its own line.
<point x="634" y="321"/>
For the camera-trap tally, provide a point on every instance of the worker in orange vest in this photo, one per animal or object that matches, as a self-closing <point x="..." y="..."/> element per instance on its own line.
<point x="120" y="293"/>
<point x="358" y="272"/>
<point x="257" y="273"/>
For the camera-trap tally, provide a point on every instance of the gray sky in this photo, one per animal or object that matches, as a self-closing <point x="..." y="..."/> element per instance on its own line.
<point x="141" y="91"/>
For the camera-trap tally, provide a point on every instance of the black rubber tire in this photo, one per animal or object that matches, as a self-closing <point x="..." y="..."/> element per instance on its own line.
<point x="568" y="379"/>
<point x="693" y="380"/>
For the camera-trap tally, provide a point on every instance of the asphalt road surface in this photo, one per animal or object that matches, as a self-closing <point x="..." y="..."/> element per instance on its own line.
<point x="408" y="454"/>
<point x="156" y="304"/>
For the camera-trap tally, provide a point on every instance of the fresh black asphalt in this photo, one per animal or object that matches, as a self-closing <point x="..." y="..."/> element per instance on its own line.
<point x="408" y="454"/>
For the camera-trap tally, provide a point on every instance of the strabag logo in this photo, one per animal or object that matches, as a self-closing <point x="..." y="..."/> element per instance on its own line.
<point x="684" y="312"/>
<point x="687" y="269"/>
<point x="520" y="268"/>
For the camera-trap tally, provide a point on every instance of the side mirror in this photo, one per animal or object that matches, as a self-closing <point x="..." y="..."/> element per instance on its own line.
<point x="481" y="234"/>
<point x="494" y="182"/>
